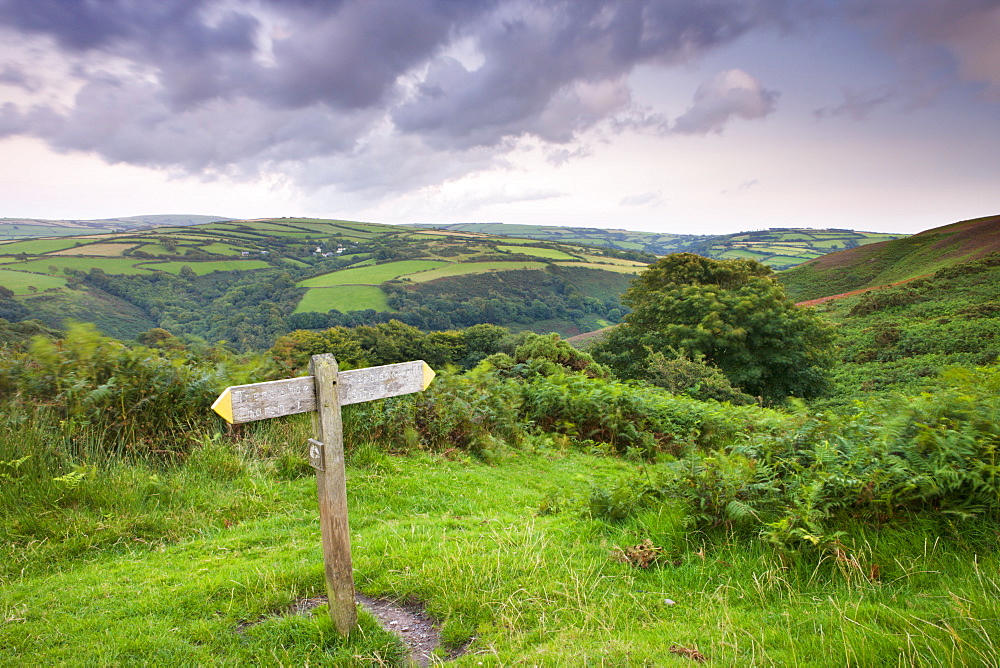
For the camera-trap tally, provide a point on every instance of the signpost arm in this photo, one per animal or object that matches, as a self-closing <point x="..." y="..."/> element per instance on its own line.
<point x="331" y="484"/>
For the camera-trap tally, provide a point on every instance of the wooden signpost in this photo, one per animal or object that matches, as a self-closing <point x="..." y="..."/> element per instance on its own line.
<point x="322" y="393"/>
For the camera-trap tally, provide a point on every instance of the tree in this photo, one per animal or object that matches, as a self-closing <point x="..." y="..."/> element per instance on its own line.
<point x="734" y="314"/>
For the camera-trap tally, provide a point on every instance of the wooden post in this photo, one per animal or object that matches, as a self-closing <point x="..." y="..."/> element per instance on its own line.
<point x="323" y="393"/>
<point x="331" y="485"/>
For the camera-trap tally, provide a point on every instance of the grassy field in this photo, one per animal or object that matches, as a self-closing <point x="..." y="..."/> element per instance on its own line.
<point x="36" y="246"/>
<point x="211" y="561"/>
<point x="618" y="268"/>
<point x="202" y="268"/>
<point x="98" y="250"/>
<point x="549" y="253"/>
<point x="612" y="260"/>
<point x="23" y="230"/>
<point x="19" y="281"/>
<point x="779" y="248"/>
<point x="223" y="249"/>
<point x="472" y="268"/>
<point x="371" y="275"/>
<point x="903" y="259"/>
<point x="343" y="298"/>
<point x="110" y="265"/>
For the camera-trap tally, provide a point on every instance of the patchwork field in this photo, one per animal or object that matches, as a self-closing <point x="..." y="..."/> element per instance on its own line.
<point x="371" y="275"/>
<point x="202" y="268"/>
<point x="99" y="250"/>
<point x="779" y="248"/>
<point x="310" y="272"/>
<point x="21" y="282"/>
<point x="54" y="264"/>
<point x="618" y="268"/>
<point x="549" y="253"/>
<point x="37" y="246"/>
<point x="343" y="298"/>
<point x="466" y="268"/>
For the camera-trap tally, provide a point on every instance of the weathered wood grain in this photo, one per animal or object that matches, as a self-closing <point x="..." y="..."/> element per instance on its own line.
<point x="331" y="486"/>
<point x="260" y="401"/>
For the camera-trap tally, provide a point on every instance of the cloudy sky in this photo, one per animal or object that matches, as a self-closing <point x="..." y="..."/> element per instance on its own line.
<point x="686" y="116"/>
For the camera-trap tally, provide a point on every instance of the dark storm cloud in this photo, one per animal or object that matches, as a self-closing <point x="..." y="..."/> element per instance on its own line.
<point x="242" y="86"/>
<point x="228" y="86"/>
<point x="552" y="70"/>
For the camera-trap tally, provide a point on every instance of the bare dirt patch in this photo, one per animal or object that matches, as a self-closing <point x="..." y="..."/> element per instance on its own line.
<point x="407" y="620"/>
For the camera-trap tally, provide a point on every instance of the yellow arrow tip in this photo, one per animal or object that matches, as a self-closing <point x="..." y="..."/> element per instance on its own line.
<point x="428" y="375"/>
<point x="224" y="405"/>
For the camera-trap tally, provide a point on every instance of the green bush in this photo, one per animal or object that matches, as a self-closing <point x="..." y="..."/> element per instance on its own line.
<point x="681" y="373"/>
<point x="635" y="418"/>
<point x="139" y="399"/>
<point x="887" y="458"/>
<point x="472" y="412"/>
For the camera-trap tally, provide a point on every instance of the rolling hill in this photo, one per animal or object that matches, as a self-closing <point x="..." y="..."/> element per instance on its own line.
<point x="248" y="281"/>
<point x="777" y="248"/>
<point x="893" y="261"/>
<point x="27" y="228"/>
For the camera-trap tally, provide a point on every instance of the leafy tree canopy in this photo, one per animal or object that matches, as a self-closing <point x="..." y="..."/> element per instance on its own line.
<point x="731" y="312"/>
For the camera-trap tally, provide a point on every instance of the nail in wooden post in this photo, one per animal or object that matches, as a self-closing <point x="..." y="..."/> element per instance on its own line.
<point x="331" y="484"/>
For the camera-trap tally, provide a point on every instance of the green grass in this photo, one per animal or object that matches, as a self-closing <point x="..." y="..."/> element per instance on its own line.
<point x="39" y="246"/>
<point x="19" y="281"/>
<point x="617" y="268"/>
<point x="901" y="337"/>
<point x="206" y="267"/>
<point x="156" y="249"/>
<point x="202" y="563"/>
<point x="343" y="298"/>
<point x="901" y="259"/>
<point x="465" y="268"/>
<point x="613" y="260"/>
<point x="828" y="244"/>
<point x="550" y="253"/>
<point x="110" y="265"/>
<point x="744" y="254"/>
<point x="371" y="275"/>
<point x="23" y="230"/>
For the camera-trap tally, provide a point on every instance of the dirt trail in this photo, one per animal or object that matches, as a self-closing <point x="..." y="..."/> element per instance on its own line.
<point x="823" y="300"/>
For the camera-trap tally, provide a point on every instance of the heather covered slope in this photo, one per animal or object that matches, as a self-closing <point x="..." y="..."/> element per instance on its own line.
<point x="892" y="261"/>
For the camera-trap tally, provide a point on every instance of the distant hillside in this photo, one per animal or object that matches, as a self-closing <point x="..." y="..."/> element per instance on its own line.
<point x="777" y="248"/>
<point x="248" y="281"/>
<point x="893" y="261"/>
<point x="30" y="228"/>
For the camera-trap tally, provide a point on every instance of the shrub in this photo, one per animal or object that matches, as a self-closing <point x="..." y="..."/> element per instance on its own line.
<point x="140" y="399"/>
<point x="683" y="374"/>
<point x="799" y="488"/>
<point x="634" y="418"/>
<point x="471" y="412"/>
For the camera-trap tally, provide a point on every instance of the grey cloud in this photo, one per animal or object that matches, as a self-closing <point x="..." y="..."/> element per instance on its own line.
<point x="536" y="65"/>
<point x="859" y="104"/>
<point x="242" y="87"/>
<point x="11" y="75"/>
<point x="727" y="95"/>
<point x="934" y="39"/>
